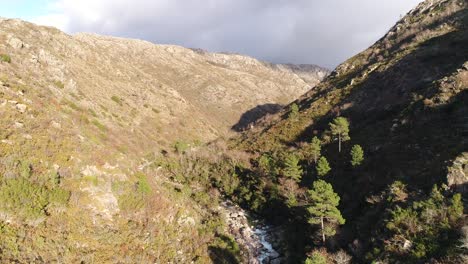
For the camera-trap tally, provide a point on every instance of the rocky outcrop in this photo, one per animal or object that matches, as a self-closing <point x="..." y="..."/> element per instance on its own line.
<point x="457" y="176"/>
<point x="255" y="238"/>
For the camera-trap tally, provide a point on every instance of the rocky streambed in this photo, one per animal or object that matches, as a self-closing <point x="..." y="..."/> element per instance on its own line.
<point x="255" y="237"/>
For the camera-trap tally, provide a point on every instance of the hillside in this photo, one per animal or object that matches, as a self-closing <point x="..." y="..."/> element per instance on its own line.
<point x="179" y="93"/>
<point x="122" y="151"/>
<point x="91" y="131"/>
<point x="405" y="99"/>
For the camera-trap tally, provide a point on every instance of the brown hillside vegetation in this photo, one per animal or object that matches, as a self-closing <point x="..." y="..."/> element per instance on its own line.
<point x="84" y="122"/>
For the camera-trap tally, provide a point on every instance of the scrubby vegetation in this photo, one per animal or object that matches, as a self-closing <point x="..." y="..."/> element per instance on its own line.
<point x="27" y="200"/>
<point x="421" y="229"/>
<point x="5" y="58"/>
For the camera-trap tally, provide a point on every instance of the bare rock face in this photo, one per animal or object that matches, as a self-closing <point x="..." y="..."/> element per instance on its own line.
<point x="458" y="173"/>
<point x="311" y="74"/>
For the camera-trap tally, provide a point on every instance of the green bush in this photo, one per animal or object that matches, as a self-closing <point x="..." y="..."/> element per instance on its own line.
<point x="100" y="126"/>
<point x="180" y="147"/>
<point x="8" y="241"/>
<point x="316" y="258"/>
<point x="5" y="58"/>
<point x="429" y="224"/>
<point x="224" y="249"/>
<point x="131" y="201"/>
<point x="28" y="200"/>
<point x="294" y="111"/>
<point x="25" y="169"/>
<point x="143" y="184"/>
<point x="59" y="196"/>
<point x="134" y="196"/>
<point x="117" y="100"/>
<point x="59" y="84"/>
<point x="24" y="198"/>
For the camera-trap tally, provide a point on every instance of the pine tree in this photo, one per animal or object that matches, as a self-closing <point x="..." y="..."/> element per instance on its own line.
<point x="291" y="168"/>
<point x="265" y="165"/>
<point x="314" y="149"/>
<point x="316" y="258"/>
<point x="322" y="166"/>
<point x="340" y="129"/>
<point x="323" y="207"/>
<point x="357" y="155"/>
<point x="294" y="110"/>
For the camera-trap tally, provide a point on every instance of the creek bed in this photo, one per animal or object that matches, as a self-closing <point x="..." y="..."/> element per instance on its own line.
<point x="250" y="233"/>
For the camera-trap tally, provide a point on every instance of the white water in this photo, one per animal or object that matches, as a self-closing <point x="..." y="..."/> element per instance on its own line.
<point x="254" y="237"/>
<point x="267" y="252"/>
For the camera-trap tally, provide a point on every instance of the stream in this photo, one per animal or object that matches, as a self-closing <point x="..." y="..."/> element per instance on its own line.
<point x="253" y="235"/>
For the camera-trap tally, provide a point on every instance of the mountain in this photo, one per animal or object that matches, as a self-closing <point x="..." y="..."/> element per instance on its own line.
<point x="120" y="151"/>
<point x="406" y="101"/>
<point x="198" y="95"/>
<point x="91" y="131"/>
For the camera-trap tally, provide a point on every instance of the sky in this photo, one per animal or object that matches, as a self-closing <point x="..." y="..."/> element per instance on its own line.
<point x="322" y="32"/>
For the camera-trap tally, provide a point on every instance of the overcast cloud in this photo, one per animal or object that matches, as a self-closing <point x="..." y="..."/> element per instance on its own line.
<point x="323" y="32"/>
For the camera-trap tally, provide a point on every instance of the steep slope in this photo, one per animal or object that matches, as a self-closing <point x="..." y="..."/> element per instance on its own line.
<point x="410" y="84"/>
<point x="406" y="100"/>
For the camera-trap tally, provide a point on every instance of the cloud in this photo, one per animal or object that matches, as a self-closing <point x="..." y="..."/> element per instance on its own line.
<point x="296" y="31"/>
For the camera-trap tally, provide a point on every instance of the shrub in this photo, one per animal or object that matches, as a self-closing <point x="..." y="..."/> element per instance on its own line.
<point x="316" y="258"/>
<point x="131" y="201"/>
<point x="59" y="196"/>
<point x="28" y="200"/>
<point x="180" y="147"/>
<point x="25" y="169"/>
<point x="100" y="126"/>
<point x="224" y="249"/>
<point x="8" y="241"/>
<point x="59" y="84"/>
<point x="5" y="58"/>
<point x="143" y="184"/>
<point x="429" y="225"/>
<point x="294" y="111"/>
<point x="134" y="196"/>
<point x="265" y="165"/>
<point x="117" y="100"/>
<point x="357" y="155"/>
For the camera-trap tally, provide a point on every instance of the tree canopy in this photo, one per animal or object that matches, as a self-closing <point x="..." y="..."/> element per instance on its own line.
<point x="323" y="207"/>
<point x="340" y="129"/>
<point x="322" y="166"/>
<point x="291" y="168"/>
<point x="357" y="155"/>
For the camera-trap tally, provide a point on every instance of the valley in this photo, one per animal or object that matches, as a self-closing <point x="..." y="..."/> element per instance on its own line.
<point x="117" y="150"/>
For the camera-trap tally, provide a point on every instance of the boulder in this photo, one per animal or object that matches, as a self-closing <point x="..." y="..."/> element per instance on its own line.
<point x="15" y="43"/>
<point x="21" y="108"/>
<point x="457" y="177"/>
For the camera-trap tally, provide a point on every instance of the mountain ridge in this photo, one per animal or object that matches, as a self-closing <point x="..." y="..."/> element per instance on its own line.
<point x="204" y="83"/>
